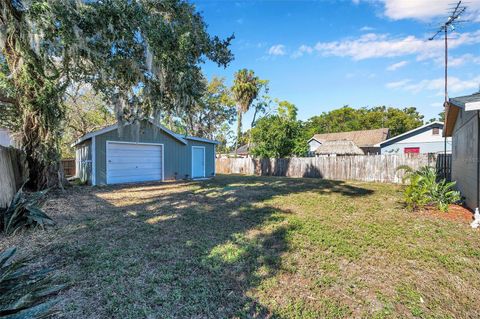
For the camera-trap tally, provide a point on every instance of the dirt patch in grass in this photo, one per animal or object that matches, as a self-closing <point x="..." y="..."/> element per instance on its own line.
<point x="254" y="247"/>
<point x="454" y="213"/>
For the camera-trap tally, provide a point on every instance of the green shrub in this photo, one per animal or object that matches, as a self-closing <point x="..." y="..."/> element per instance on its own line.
<point x="424" y="188"/>
<point x="24" y="292"/>
<point x="24" y="211"/>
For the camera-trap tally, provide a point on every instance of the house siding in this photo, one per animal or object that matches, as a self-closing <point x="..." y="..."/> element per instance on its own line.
<point x="209" y="157"/>
<point x="425" y="147"/>
<point x="464" y="156"/>
<point x="313" y="145"/>
<point x="177" y="155"/>
<point x="423" y="139"/>
<point x="6" y="138"/>
<point x="83" y="161"/>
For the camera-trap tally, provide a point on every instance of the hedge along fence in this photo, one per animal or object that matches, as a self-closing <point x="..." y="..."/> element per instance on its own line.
<point x="368" y="168"/>
<point x="13" y="173"/>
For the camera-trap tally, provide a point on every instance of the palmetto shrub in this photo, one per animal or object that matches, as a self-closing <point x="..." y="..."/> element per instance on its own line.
<point x="24" y="211"/>
<point x="24" y="292"/>
<point x="425" y="188"/>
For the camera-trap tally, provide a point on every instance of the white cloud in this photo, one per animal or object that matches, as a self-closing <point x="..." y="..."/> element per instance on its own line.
<point x="454" y="61"/>
<point x="398" y="84"/>
<point x="373" y="45"/>
<point x="424" y="9"/>
<point x="302" y="50"/>
<point x="397" y="66"/>
<point x="455" y="85"/>
<point x="366" y="28"/>
<point x="278" y="49"/>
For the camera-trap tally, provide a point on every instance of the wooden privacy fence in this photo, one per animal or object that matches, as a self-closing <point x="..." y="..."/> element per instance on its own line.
<point x="68" y="167"/>
<point x="13" y="173"/>
<point x="444" y="166"/>
<point x="368" y="168"/>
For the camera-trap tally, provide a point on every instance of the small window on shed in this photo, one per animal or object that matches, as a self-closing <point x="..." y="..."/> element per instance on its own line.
<point x="436" y="131"/>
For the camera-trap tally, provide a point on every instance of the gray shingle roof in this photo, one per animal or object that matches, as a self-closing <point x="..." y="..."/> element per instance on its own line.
<point x="242" y="150"/>
<point x="365" y="138"/>
<point x="462" y="100"/>
<point x="339" y="148"/>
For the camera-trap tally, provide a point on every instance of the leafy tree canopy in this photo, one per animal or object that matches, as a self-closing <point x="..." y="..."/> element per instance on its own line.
<point x="246" y="89"/>
<point x="85" y="111"/>
<point x="350" y="119"/>
<point x="280" y="134"/>
<point x="213" y="109"/>
<point x="210" y="116"/>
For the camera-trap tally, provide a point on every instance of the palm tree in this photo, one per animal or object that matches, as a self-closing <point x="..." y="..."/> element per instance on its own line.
<point x="246" y="87"/>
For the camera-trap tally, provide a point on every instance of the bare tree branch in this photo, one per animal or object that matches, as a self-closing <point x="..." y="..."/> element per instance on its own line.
<point x="7" y="100"/>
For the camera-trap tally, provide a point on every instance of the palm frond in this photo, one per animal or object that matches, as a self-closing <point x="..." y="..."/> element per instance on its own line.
<point x="24" y="211"/>
<point x="24" y="292"/>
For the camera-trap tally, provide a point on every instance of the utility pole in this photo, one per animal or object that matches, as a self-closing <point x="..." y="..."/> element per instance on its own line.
<point x="451" y="22"/>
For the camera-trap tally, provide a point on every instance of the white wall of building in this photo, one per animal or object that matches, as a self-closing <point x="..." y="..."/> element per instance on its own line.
<point x="424" y="139"/>
<point x="5" y="137"/>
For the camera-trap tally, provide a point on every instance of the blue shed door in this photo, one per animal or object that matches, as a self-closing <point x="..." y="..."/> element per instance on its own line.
<point x="198" y="161"/>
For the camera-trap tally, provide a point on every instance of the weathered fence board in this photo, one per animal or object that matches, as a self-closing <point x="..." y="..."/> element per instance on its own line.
<point x="368" y="168"/>
<point x="68" y="167"/>
<point x="444" y="166"/>
<point x="12" y="173"/>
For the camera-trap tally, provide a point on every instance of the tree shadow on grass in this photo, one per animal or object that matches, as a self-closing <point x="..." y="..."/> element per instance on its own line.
<point x="158" y="250"/>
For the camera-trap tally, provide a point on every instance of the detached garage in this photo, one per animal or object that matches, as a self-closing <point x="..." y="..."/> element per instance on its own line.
<point x="146" y="152"/>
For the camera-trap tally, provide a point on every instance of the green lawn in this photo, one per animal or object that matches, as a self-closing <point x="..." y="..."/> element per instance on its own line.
<point x="255" y="247"/>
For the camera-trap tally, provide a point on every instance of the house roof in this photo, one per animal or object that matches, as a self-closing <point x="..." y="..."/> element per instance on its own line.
<point x="242" y="150"/>
<point x="339" y="148"/>
<point x="462" y="100"/>
<point x="408" y="133"/>
<point x="365" y="138"/>
<point x="179" y="137"/>
<point x="196" y="138"/>
<point x="453" y="106"/>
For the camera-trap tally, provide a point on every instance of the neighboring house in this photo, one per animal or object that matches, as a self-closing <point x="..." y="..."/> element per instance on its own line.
<point x="338" y="148"/>
<point x="365" y="140"/>
<point x="242" y="151"/>
<point x="462" y="124"/>
<point x="6" y="138"/>
<point x="424" y="139"/>
<point x="148" y="153"/>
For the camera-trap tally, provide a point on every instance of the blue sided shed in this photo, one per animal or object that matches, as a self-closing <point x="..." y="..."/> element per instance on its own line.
<point x="143" y="152"/>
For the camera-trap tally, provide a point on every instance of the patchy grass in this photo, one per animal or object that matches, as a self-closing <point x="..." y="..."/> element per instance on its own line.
<point x="255" y="247"/>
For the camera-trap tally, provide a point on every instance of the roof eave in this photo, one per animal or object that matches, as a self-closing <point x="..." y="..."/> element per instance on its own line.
<point x="451" y="114"/>
<point x="408" y="132"/>
<point x="201" y="139"/>
<point x="115" y="126"/>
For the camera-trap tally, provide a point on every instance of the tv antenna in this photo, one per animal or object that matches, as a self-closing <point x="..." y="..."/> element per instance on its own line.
<point x="448" y="25"/>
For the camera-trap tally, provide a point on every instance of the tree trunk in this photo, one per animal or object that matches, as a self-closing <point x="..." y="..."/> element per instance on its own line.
<point x="42" y="155"/>
<point x="38" y="104"/>
<point x="239" y="130"/>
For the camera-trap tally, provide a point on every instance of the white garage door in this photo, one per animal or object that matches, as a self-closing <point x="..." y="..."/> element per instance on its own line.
<point x="129" y="162"/>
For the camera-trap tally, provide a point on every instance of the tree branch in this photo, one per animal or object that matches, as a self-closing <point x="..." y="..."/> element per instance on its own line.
<point x="7" y="100"/>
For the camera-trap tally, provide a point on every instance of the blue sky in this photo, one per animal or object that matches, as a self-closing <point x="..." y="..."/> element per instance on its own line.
<point x="321" y="55"/>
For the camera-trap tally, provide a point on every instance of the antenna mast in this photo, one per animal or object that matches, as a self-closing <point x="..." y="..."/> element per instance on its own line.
<point x="450" y="24"/>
